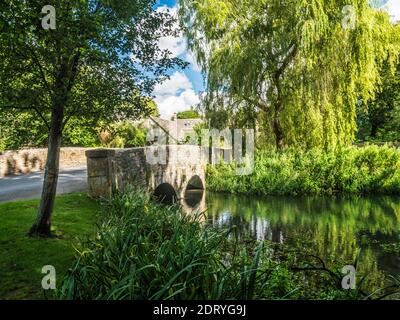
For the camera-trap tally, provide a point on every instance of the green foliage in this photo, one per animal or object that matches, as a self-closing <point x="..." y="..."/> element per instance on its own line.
<point x="367" y="170"/>
<point x="124" y="135"/>
<point x="24" y="130"/>
<point x="290" y="65"/>
<point x="147" y="251"/>
<point x="99" y="65"/>
<point x="380" y="120"/>
<point x="188" y="114"/>
<point x="19" y="130"/>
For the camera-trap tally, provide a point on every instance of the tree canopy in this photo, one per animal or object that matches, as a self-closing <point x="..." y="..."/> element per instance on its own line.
<point x="298" y="67"/>
<point x="106" y="51"/>
<point x="188" y="114"/>
<point x="100" y="62"/>
<point x="380" y="119"/>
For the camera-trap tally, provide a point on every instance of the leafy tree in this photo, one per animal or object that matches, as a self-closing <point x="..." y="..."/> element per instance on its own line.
<point x="21" y="129"/>
<point x="188" y="114"/>
<point x="24" y="129"/>
<point x="380" y="119"/>
<point x="300" y="65"/>
<point x="153" y="109"/>
<point x="82" y="133"/>
<point x="99" y="64"/>
<point x="124" y="135"/>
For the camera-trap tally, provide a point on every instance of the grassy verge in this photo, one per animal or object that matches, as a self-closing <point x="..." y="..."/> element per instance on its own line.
<point x="22" y="258"/>
<point x="350" y="171"/>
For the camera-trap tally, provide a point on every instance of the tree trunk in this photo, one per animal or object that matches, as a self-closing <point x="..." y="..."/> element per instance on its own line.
<point x="42" y="226"/>
<point x="277" y="126"/>
<point x="278" y="132"/>
<point x="374" y="129"/>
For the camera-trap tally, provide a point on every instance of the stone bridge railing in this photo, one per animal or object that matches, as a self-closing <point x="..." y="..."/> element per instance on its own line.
<point x="179" y="167"/>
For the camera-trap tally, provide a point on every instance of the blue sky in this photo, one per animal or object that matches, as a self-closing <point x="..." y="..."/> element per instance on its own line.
<point x="183" y="89"/>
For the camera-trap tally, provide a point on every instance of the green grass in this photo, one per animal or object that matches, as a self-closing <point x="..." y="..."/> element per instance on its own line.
<point x="22" y="258"/>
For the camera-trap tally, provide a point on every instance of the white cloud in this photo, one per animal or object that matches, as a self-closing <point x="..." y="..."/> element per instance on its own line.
<point x="393" y="7"/>
<point x="176" y="45"/>
<point x="175" y="95"/>
<point x="177" y="82"/>
<point x="191" y="58"/>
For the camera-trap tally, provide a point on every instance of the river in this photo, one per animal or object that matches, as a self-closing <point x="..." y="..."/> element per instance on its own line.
<point x="334" y="229"/>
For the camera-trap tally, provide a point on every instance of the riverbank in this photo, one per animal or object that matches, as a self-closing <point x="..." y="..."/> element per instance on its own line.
<point x="143" y="250"/>
<point x="138" y="249"/>
<point x="349" y="171"/>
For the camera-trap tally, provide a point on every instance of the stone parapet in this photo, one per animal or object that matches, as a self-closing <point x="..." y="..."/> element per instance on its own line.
<point x="148" y="168"/>
<point x="30" y="160"/>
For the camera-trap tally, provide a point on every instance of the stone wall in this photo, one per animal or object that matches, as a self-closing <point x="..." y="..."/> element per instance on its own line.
<point x="30" y="160"/>
<point x="114" y="169"/>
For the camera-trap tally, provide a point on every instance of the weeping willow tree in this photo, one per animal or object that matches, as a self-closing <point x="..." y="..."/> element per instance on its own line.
<point x="302" y="66"/>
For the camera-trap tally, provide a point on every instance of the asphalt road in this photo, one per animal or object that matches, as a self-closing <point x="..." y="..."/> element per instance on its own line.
<point x="29" y="186"/>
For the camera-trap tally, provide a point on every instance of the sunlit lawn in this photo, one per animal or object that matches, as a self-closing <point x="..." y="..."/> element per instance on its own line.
<point x="22" y="258"/>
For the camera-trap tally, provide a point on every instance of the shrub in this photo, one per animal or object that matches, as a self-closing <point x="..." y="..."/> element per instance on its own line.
<point x="123" y="135"/>
<point x="367" y="170"/>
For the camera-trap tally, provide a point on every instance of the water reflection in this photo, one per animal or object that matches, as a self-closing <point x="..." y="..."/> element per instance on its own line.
<point x="194" y="199"/>
<point x="332" y="228"/>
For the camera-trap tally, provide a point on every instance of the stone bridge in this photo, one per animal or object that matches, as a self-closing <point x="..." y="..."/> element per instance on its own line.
<point x="168" y="172"/>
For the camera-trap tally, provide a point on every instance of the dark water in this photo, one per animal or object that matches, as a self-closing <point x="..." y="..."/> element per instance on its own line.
<point x="332" y="228"/>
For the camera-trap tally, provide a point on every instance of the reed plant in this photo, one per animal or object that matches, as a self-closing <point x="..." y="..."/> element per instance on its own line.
<point x="143" y="250"/>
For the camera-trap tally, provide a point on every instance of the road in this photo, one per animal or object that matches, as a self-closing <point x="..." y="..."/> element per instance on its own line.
<point x="29" y="186"/>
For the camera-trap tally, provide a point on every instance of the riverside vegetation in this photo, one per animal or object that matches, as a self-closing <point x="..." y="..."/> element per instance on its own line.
<point x="130" y="247"/>
<point x="347" y="171"/>
<point x="143" y="250"/>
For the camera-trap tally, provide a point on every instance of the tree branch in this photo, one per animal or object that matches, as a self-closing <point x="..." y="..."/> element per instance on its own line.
<point x="259" y="104"/>
<point x="29" y="108"/>
<point x="69" y="116"/>
<point x="38" y="64"/>
<point x="42" y="117"/>
<point x="285" y="63"/>
<point x="71" y="82"/>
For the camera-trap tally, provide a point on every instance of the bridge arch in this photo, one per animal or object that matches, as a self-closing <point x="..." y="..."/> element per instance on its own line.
<point x="195" y="183"/>
<point x="193" y="194"/>
<point x="165" y="193"/>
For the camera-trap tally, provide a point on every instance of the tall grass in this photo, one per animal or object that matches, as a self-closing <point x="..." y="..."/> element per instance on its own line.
<point x="367" y="170"/>
<point x="143" y="250"/>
